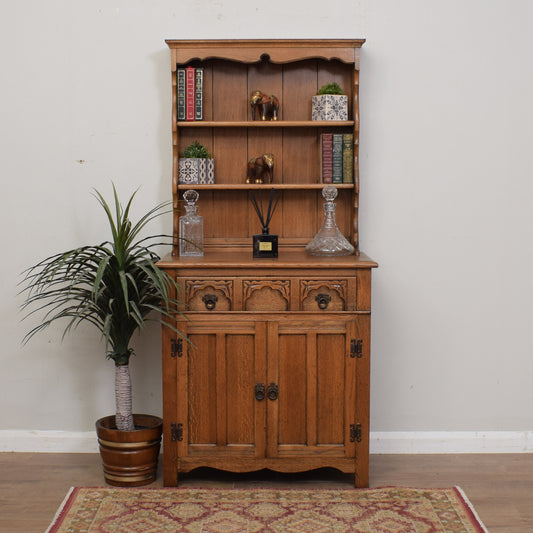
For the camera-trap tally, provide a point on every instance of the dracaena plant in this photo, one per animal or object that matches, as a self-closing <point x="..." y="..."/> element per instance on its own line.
<point x="116" y="286"/>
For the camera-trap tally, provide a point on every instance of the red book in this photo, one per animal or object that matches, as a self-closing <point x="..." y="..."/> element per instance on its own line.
<point x="326" y="157"/>
<point x="190" y="92"/>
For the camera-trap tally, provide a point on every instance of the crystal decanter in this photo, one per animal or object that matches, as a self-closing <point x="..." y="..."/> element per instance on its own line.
<point x="329" y="241"/>
<point x="191" y="227"/>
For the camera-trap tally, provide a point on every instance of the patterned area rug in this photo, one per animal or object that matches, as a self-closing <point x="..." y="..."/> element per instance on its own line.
<point x="384" y="510"/>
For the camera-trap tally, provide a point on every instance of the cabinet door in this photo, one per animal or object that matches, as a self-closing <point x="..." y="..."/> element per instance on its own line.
<point x="216" y="377"/>
<point x="314" y="367"/>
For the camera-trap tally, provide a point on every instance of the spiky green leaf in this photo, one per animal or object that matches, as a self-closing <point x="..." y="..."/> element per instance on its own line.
<point x="114" y="285"/>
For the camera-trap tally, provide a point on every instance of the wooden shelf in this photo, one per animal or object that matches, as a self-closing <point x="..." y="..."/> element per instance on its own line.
<point x="253" y="186"/>
<point x="266" y="124"/>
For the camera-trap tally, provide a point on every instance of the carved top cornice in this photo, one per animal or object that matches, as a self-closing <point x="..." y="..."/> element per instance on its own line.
<point x="275" y="50"/>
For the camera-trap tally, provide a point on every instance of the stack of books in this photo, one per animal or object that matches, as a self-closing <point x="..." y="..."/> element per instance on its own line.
<point x="336" y="158"/>
<point x="190" y="92"/>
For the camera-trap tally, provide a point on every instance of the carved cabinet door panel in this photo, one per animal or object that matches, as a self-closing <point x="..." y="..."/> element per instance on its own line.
<point x="217" y="375"/>
<point x="315" y="377"/>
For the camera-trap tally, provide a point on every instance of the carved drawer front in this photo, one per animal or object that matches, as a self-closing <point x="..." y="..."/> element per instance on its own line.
<point x="324" y="295"/>
<point x="209" y="295"/>
<point x="266" y="295"/>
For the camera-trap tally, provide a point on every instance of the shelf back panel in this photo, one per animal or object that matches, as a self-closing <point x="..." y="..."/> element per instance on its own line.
<point x="229" y="217"/>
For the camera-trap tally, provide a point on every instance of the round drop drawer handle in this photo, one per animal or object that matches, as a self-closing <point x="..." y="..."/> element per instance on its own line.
<point x="272" y="392"/>
<point x="323" y="300"/>
<point x="210" y="301"/>
<point x="259" y="391"/>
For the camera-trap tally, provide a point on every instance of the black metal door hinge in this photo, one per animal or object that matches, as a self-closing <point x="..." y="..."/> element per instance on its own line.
<point x="356" y="433"/>
<point x="356" y="348"/>
<point x="176" y="347"/>
<point x="176" y="432"/>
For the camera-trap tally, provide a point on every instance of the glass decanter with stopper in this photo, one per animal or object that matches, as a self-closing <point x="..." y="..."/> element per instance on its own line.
<point x="329" y="241"/>
<point x="191" y="227"/>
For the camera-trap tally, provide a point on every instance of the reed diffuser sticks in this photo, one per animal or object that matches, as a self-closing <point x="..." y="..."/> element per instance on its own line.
<point x="265" y="222"/>
<point x="265" y="244"/>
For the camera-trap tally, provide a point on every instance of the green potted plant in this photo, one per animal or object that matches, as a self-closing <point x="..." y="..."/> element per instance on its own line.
<point x="118" y="287"/>
<point x="196" y="165"/>
<point x="330" y="103"/>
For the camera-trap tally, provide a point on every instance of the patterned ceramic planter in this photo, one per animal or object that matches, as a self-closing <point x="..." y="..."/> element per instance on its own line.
<point x="193" y="170"/>
<point x="329" y="107"/>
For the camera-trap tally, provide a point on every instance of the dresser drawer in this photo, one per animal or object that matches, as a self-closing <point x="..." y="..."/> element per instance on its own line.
<point x="209" y="294"/>
<point x="327" y="295"/>
<point x="266" y="295"/>
<point x="269" y="294"/>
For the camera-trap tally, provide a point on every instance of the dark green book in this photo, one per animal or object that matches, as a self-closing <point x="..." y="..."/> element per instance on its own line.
<point x="337" y="158"/>
<point x="180" y="93"/>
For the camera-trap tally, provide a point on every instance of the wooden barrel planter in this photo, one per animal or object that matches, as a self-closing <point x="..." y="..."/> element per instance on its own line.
<point x="130" y="457"/>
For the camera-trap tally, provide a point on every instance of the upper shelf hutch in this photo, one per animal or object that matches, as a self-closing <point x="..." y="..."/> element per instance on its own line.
<point x="293" y="71"/>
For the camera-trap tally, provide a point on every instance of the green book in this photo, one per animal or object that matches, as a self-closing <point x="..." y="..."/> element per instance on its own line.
<point x="337" y="158"/>
<point x="347" y="158"/>
<point x="180" y="93"/>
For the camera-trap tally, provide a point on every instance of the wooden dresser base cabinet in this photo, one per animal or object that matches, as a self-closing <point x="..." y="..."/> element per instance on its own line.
<point x="251" y="389"/>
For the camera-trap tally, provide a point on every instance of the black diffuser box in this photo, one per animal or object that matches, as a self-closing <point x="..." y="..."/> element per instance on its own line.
<point x="265" y="245"/>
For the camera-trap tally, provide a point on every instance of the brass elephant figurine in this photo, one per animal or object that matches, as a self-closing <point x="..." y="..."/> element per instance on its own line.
<point x="260" y="169"/>
<point x="268" y="105"/>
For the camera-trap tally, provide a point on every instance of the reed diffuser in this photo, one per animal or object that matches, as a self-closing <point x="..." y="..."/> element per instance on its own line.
<point x="265" y="244"/>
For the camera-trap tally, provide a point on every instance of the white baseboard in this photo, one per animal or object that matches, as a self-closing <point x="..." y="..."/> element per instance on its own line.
<point x="48" y="441"/>
<point x="386" y="442"/>
<point x="451" y="442"/>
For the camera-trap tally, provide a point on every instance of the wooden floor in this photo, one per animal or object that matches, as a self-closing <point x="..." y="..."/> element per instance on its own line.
<point x="33" y="485"/>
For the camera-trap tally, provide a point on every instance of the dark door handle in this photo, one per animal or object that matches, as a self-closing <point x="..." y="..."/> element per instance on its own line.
<point x="259" y="391"/>
<point x="272" y="392"/>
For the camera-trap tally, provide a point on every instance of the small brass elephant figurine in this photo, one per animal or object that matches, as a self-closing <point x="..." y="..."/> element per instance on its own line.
<point x="260" y="169"/>
<point x="268" y="105"/>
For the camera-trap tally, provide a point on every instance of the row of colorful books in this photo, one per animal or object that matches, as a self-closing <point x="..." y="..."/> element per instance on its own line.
<point x="336" y="158"/>
<point x="190" y="93"/>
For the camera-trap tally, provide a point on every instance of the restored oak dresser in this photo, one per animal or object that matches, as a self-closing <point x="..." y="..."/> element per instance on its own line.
<point x="272" y="367"/>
